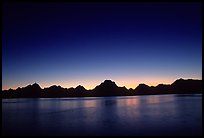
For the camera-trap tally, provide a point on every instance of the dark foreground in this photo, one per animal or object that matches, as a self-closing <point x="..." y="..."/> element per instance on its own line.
<point x="124" y="115"/>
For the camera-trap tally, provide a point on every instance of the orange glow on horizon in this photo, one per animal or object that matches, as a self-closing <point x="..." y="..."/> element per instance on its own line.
<point x="89" y="85"/>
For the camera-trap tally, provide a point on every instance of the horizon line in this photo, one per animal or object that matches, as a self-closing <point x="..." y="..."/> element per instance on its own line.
<point x="99" y="84"/>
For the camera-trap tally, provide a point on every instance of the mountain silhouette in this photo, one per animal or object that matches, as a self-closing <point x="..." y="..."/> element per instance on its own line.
<point x="106" y="88"/>
<point x="80" y="88"/>
<point x="54" y="91"/>
<point x="142" y="89"/>
<point x="185" y="86"/>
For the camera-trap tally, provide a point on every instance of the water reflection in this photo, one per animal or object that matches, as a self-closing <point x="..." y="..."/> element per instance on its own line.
<point x="136" y="115"/>
<point x="153" y="99"/>
<point x="132" y="102"/>
<point x="110" y="102"/>
<point x="89" y="103"/>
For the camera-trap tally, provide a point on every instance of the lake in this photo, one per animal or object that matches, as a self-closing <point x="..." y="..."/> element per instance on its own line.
<point x="120" y="115"/>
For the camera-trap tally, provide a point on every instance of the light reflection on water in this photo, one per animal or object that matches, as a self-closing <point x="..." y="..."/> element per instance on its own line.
<point x="126" y="115"/>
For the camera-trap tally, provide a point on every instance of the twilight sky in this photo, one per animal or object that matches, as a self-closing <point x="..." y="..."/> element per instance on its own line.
<point x="71" y="44"/>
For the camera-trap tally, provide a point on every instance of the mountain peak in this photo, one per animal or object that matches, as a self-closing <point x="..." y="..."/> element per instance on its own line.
<point x="106" y="88"/>
<point x="143" y="85"/>
<point x="109" y="82"/>
<point x="35" y="85"/>
<point x="179" y="81"/>
<point x="80" y="88"/>
<point x="107" y="85"/>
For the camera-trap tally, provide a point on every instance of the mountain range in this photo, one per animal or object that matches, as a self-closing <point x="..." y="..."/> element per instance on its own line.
<point x="106" y="88"/>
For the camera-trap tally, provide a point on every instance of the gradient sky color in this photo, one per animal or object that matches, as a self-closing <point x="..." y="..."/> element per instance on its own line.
<point x="71" y="44"/>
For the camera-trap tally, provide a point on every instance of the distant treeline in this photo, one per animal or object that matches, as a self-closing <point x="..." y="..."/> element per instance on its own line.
<point x="106" y="88"/>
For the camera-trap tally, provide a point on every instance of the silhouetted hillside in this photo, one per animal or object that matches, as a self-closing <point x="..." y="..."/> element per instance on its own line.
<point x="106" y="88"/>
<point x="54" y="91"/>
<point x="30" y="91"/>
<point x="109" y="88"/>
<point x="143" y="89"/>
<point x="186" y="86"/>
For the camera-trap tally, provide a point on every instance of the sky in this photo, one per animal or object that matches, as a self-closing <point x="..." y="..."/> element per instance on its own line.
<point x="71" y="44"/>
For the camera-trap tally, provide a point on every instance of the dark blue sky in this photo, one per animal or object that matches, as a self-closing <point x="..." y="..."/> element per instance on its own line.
<point x="69" y="44"/>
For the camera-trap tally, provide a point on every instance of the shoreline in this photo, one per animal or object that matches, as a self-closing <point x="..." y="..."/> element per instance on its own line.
<point x="178" y="94"/>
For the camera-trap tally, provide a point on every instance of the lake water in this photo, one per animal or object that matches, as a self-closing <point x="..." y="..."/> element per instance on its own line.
<point x="125" y="115"/>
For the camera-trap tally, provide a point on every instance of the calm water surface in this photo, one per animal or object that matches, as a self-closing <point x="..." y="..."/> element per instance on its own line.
<point x="126" y="115"/>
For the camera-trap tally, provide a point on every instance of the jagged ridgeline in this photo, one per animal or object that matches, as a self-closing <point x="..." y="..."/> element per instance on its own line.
<point x="106" y="88"/>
